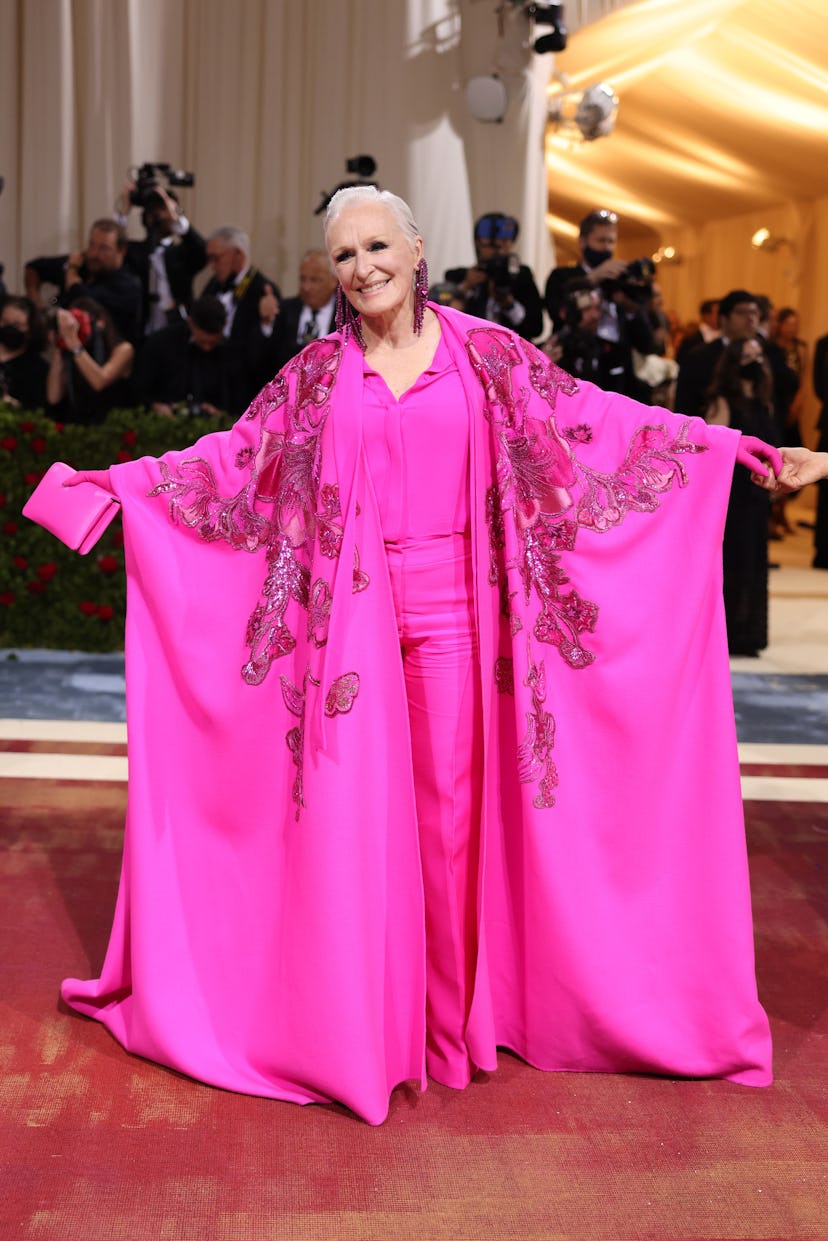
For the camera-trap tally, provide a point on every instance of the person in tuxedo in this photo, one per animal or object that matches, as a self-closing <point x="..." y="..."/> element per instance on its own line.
<point x="738" y="320"/>
<point x="499" y="287"/>
<point x="183" y="367"/>
<point x="251" y="303"/>
<point x="312" y="312"/>
<point x="166" y="260"/>
<point x="707" y="330"/>
<point x="624" y="322"/>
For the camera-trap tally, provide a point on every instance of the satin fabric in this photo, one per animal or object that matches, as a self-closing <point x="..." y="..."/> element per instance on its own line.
<point x="269" y="934"/>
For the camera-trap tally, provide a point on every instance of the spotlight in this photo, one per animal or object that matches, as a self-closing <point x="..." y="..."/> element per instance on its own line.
<point x="549" y="15"/>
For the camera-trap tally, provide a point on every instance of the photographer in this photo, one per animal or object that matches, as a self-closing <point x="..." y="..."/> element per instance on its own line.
<point x="579" y="349"/>
<point x="98" y="272"/>
<point x="499" y="287"/>
<point x="183" y="368"/>
<point x="626" y="294"/>
<point x="171" y="254"/>
<point x="90" y="364"/>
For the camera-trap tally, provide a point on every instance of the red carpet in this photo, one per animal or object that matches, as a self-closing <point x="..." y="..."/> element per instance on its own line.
<point x="99" y="1146"/>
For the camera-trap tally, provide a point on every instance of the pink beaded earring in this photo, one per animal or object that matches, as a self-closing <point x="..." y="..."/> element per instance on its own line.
<point x="345" y="320"/>
<point x="420" y="295"/>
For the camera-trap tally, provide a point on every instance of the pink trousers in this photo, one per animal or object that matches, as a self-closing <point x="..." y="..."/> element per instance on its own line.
<point x="431" y="581"/>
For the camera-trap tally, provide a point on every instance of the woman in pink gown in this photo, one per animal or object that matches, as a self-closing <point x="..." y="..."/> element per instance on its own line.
<point x="431" y="739"/>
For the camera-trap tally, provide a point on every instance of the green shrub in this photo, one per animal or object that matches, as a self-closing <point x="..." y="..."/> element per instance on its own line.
<point x="51" y="596"/>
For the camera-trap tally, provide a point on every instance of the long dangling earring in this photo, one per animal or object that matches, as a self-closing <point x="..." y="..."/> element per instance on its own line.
<point x="420" y="295"/>
<point x="345" y="320"/>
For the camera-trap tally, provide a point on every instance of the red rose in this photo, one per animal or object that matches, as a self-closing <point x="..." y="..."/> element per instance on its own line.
<point x="26" y="426"/>
<point x="2" y="500"/>
<point x="88" y="609"/>
<point x="35" y="588"/>
<point x="47" y="571"/>
<point x="31" y="479"/>
<point x="118" y="537"/>
<point x="10" y="527"/>
<point x="58" y="426"/>
<point x="20" y="562"/>
<point x="6" y="598"/>
<point x="9" y="443"/>
<point x="129" y="438"/>
<point x="123" y="455"/>
<point x="38" y="444"/>
<point x="106" y="612"/>
<point x="108" y="564"/>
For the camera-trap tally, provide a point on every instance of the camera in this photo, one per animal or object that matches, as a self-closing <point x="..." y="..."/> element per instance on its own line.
<point x="636" y="282"/>
<point x="149" y="177"/>
<point x="361" y="166"/>
<point x="501" y="270"/>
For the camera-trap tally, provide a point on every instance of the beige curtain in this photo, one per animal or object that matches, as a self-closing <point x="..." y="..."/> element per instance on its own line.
<point x="264" y="100"/>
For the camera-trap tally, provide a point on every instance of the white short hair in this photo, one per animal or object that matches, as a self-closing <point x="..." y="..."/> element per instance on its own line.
<point x="233" y="237"/>
<point x="352" y="195"/>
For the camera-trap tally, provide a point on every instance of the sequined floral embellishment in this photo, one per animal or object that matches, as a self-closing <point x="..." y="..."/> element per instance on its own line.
<point x="581" y="434"/>
<point x="342" y="694"/>
<point x="535" y="762"/>
<point x="650" y="468"/>
<point x="319" y="612"/>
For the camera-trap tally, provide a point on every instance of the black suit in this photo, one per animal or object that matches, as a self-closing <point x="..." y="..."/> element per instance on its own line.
<point x="184" y="258"/>
<point x="251" y="354"/>
<point x="287" y="343"/>
<point x="118" y="291"/>
<point x="607" y="363"/>
<point x="696" y="374"/>
<point x="524" y="291"/>
<point x="171" y="369"/>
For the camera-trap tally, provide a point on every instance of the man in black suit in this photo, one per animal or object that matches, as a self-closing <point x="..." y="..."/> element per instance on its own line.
<point x="311" y="314"/>
<point x="166" y="260"/>
<point x="183" y="367"/>
<point x="739" y="319"/>
<point x="624" y="322"/>
<point x="707" y="330"/>
<point x="499" y="287"/>
<point x="98" y="272"/>
<point x="251" y="302"/>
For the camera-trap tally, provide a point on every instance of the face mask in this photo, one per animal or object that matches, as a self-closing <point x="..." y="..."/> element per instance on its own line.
<point x="594" y="258"/>
<point x="753" y="371"/>
<point x="12" y="337"/>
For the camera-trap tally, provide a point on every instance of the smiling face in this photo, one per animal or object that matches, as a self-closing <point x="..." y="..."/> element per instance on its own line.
<point x="374" y="261"/>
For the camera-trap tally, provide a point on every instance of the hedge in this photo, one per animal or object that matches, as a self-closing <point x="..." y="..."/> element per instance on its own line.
<point x="51" y="596"/>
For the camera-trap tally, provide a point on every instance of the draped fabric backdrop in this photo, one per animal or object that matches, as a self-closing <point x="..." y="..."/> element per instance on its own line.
<point x="265" y="100"/>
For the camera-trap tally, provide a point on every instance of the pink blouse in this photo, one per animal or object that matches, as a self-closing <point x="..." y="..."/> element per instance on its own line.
<point x="417" y="450"/>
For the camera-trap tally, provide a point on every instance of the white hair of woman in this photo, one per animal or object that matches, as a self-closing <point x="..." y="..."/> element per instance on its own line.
<point x="353" y="195"/>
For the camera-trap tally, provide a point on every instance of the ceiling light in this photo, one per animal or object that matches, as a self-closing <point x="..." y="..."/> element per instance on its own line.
<point x="583" y="116"/>
<point x="764" y="239"/>
<point x="668" y="255"/>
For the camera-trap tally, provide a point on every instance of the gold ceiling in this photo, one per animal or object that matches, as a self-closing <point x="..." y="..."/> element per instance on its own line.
<point x="723" y="110"/>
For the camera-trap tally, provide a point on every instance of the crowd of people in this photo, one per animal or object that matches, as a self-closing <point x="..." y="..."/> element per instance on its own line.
<point x="118" y="324"/>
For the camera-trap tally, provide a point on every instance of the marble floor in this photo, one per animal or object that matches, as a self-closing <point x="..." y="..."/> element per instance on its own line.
<point x="62" y="713"/>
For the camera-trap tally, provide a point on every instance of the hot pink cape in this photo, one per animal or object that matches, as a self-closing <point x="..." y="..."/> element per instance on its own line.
<point x="269" y="930"/>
